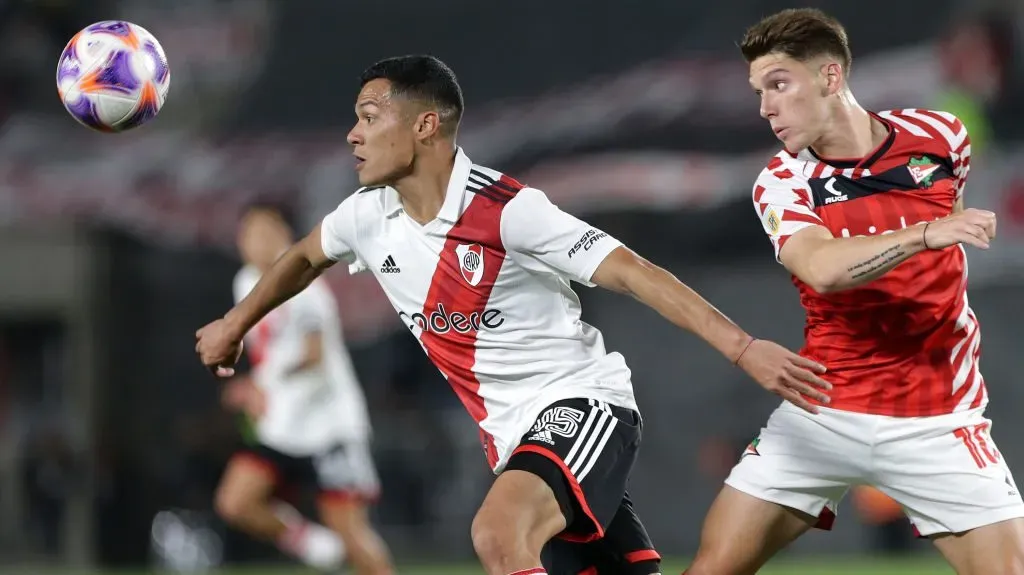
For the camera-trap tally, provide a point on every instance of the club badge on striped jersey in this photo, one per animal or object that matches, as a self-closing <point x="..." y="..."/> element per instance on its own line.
<point x="471" y="262"/>
<point x="921" y="170"/>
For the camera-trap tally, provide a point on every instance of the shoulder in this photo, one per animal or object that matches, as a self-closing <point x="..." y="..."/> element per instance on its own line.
<point x="527" y="209"/>
<point x="368" y="199"/>
<point x="944" y="128"/>
<point x="783" y="169"/>
<point x="359" y="211"/>
<point x="784" y="172"/>
<point x="493" y="185"/>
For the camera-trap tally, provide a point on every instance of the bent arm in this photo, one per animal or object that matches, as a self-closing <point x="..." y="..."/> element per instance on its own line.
<point x="291" y="274"/>
<point x="829" y="264"/>
<point x="625" y="272"/>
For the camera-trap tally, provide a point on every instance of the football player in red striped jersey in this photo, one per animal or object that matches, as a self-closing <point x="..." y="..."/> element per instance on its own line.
<point x="866" y="211"/>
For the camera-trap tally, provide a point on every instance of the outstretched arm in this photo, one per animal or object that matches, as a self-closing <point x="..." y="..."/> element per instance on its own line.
<point x="772" y="366"/>
<point x="625" y="272"/>
<point x="546" y="240"/>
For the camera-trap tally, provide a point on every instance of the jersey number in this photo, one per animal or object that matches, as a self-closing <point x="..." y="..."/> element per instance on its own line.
<point x="561" y="420"/>
<point x="976" y="440"/>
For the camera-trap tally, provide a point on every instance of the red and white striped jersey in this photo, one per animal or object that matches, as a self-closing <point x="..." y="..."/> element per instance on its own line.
<point x="485" y="289"/>
<point x="907" y="343"/>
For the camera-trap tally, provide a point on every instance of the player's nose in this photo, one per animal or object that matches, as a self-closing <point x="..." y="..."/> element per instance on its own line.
<point x="354" y="137"/>
<point x="767" y="107"/>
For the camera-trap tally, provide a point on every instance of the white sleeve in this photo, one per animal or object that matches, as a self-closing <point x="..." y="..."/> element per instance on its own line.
<point x="784" y="206"/>
<point x="338" y="231"/>
<point x="542" y="238"/>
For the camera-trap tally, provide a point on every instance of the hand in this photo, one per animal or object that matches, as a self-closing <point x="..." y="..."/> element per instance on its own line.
<point x="971" y="226"/>
<point x="784" y="373"/>
<point x="218" y="348"/>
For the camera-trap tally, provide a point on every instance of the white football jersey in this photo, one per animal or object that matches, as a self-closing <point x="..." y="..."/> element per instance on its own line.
<point x="485" y="289"/>
<point x="310" y="410"/>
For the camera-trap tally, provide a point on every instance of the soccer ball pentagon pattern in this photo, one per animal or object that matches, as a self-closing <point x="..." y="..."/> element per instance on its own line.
<point x="113" y="76"/>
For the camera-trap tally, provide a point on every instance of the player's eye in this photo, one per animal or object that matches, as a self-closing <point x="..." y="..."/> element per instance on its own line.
<point x="780" y="85"/>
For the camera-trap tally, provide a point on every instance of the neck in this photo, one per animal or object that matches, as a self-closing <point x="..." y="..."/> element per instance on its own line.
<point x="423" y="190"/>
<point x="851" y="131"/>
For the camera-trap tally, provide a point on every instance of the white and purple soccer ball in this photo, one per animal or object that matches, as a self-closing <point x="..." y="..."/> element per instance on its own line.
<point x="113" y="76"/>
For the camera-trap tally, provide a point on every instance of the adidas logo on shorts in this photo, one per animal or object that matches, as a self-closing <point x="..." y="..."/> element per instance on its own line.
<point x="542" y="436"/>
<point x="389" y="266"/>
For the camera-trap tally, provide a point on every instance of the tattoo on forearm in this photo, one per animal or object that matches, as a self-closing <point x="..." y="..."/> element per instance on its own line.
<point x="877" y="262"/>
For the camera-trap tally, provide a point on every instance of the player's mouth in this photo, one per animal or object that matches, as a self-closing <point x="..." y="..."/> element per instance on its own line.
<point x="780" y="133"/>
<point x="359" y="161"/>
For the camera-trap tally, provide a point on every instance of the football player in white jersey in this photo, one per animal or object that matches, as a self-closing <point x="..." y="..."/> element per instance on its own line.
<point x="478" y="267"/>
<point x="309" y="421"/>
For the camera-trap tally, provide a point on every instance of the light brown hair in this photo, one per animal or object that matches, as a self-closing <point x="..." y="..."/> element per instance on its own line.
<point x="801" y="34"/>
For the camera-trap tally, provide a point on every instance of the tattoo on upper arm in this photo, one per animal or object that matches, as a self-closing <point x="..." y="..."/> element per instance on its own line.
<point x="877" y="261"/>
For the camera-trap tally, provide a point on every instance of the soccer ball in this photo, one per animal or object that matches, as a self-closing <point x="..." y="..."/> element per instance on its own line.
<point x="113" y="76"/>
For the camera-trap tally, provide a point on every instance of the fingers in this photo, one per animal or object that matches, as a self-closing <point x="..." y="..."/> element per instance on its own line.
<point x="987" y="226"/>
<point x="797" y="400"/>
<point x="810" y="364"/>
<point x="803" y="375"/>
<point x="807" y="390"/>
<point x="984" y="223"/>
<point x="974" y="235"/>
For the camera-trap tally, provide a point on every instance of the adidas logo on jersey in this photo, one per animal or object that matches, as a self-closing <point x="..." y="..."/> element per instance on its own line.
<point x="389" y="266"/>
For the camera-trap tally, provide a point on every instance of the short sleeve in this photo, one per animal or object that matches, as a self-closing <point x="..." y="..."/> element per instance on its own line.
<point x="544" y="239"/>
<point x="337" y="232"/>
<point x="784" y="206"/>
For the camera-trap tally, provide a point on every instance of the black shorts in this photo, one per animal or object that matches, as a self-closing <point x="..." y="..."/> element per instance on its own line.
<point x="584" y="450"/>
<point x="345" y="471"/>
<point x="625" y="549"/>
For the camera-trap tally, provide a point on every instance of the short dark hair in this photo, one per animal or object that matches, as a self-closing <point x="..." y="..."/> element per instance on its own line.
<point x="423" y="78"/>
<point x="800" y="33"/>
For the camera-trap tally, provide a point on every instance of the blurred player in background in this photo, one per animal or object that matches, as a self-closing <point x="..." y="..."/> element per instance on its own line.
<point x="309" y="418"/>
<point x="479" y="267"/>
<point x="866" y="210"/>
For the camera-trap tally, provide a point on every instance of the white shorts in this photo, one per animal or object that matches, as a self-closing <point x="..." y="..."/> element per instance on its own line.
<point x="945" y="470"/>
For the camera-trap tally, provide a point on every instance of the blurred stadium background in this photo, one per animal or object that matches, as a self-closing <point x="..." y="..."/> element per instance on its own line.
<point x="636" y="115"/>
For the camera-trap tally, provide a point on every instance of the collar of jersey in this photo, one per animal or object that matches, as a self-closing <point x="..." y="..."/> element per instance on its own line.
<point x="453" y="196"/>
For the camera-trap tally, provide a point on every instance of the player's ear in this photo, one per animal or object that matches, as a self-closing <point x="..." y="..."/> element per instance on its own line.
<point x="428" y="125"/>
<point x="834" y="78"/>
